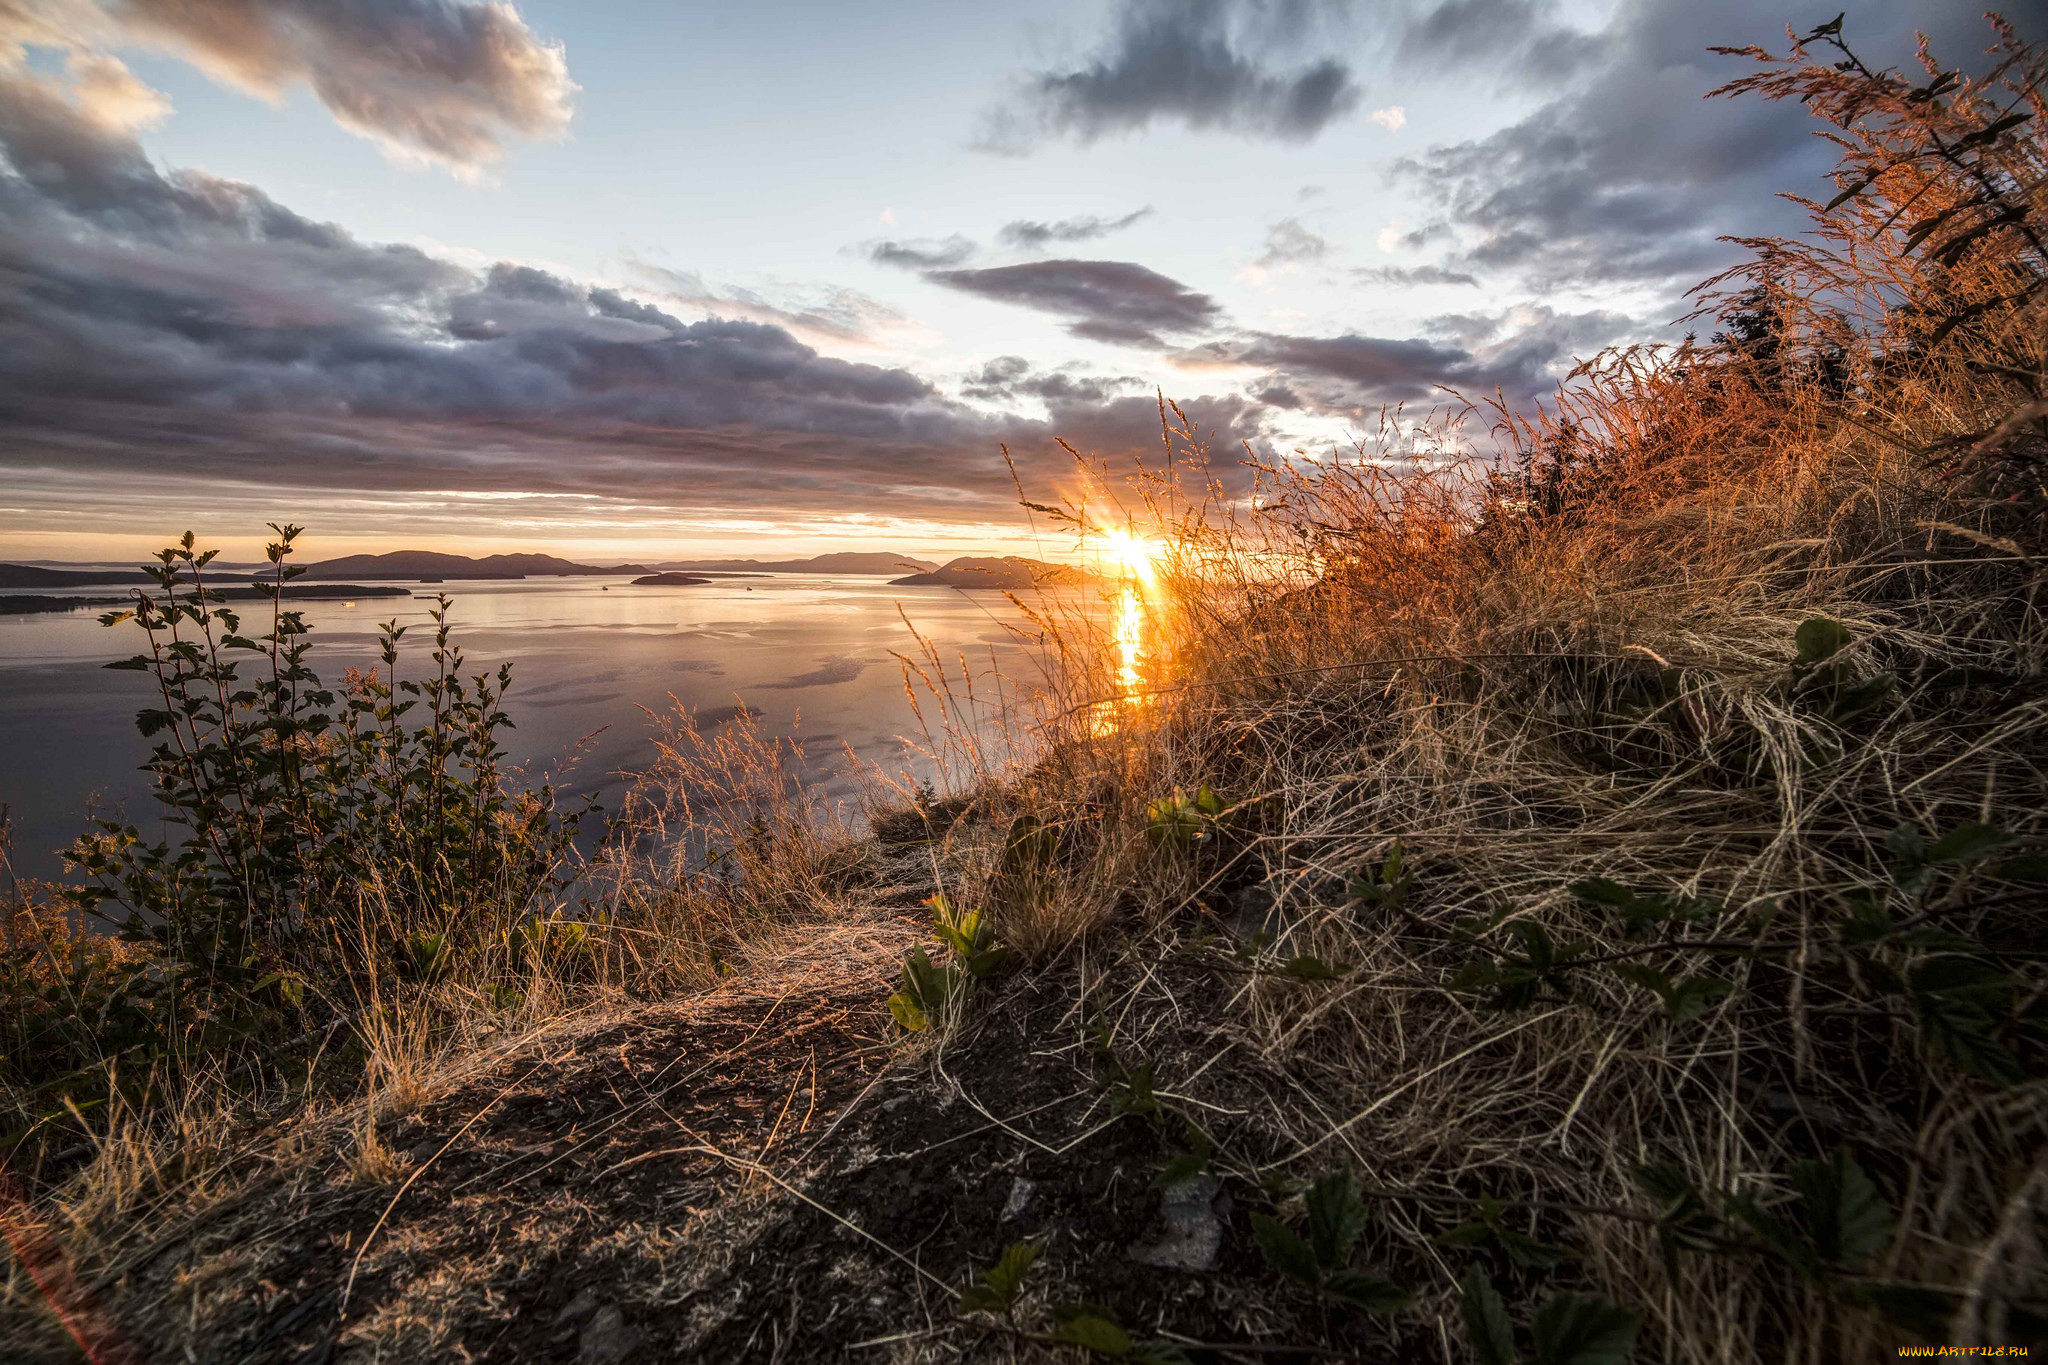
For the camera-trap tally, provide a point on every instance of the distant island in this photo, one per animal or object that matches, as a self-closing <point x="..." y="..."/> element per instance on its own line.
<point x="845" y="561"/>
<point x="668" y="580"/>
<point x="28" y="604"/>
<point x="29" y="576"/>
<point x="432" y="564"/>
<point x="1011" y="572"/>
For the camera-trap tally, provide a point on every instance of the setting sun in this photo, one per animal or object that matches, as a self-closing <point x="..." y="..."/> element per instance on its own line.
<point x="1134" y="554"/>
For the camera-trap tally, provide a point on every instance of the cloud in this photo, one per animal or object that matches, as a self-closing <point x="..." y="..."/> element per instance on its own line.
<point x="1011" y="376"/>
<point x="184" y="336"/>
<point x="111" y="95"/>
<point x="444" y="81"/>
<point x="1523" y="39"/>
<point x="832" y="313"/>
<point x="1411" y="275"/>
<point x="1129" y="425"/>
<point x="1289" y="243"/>
<point x="923" y="253"/>
<point x="1114" y="301"/>
<point x="1035" y="236"/>
<point x="1347" y="374"/>
<point x="1393" y="118"/>
<point x="1204" y="64"/>
<point x="1626" y="176"/>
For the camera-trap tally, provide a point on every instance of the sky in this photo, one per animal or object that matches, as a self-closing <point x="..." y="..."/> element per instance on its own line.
<point x="643" y="280"/>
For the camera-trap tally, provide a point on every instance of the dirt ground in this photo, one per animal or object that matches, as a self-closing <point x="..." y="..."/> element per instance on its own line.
<point x="769" y="1171"/>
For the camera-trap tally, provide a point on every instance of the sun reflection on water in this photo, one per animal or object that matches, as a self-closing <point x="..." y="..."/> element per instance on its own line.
<point x="1130" y="641"/>
<point x="1130" y="626"/>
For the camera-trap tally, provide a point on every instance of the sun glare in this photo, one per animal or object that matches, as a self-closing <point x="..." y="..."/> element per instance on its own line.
<point x="1134" y="553"/>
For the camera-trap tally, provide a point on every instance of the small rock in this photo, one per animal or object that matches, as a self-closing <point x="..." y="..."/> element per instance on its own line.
<point x="578" y="1307"/>
<point x="607" y="1339"/>
<point x="1021" y="1191"/>
<point x="423" y="1151"/>
<point x="1193" y="1231"/>
<point x="1254" y="910"/>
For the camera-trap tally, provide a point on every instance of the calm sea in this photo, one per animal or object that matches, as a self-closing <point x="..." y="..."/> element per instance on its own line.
<point x="804" y="650"/>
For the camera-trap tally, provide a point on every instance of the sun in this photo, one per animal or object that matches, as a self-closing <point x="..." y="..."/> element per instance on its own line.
<point x="1134" y="553"/>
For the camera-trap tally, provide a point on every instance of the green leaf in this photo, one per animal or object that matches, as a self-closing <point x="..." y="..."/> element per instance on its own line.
<point x="1486" y="1320"/>
<point x="1001" y="1282"/>
<point x="1683" y="1217"/>
<point x="1370" y="1292"/>
<point x="1528" y="1252"/>
<point x="1968" y="843"/>
<point x="1584" y="1329"/>
<point x="1955" y="1002"/>
<point x="1601" y="891"/>
<point x="1336" y="1218"/>
<point x="1285" y="1250"/>
<point x="1157" y="1352"/>
<point x="1860" y="696"/>
<point x="1924" y="1312"/>
<point x="1868" y="922"/>
<point x="1093" y="1329"/>
<point x="1646" y="977"/>
<point x="1846" y="1218"/>
<point x="1906" y="844"/>
<point x="1777" y="1235"/>
<point x="1910" y="869"/>
<point x="1309" y="968"/>
<point x="979" y="1298"/>
<point x="1820" y="639"/>
<point x="2031" y="867"/>
<point x="908" y="1013"/>
<point x="1388" y="886"/>
<point x="1188" y="1164"/>
<point x="1536" y="943"/>
<point x="1689" y="999"/>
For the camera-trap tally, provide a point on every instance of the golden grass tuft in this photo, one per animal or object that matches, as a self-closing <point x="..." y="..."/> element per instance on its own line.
<point x="1576" y="658"/>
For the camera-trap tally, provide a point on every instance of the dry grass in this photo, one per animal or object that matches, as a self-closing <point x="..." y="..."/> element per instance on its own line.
<point x="725" y="861"/>
<point x="1570" y="658"/>
<point x="1589" y="671"/>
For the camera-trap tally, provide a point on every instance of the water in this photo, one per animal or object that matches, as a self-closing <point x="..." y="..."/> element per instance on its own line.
<point x="803" y="650"/>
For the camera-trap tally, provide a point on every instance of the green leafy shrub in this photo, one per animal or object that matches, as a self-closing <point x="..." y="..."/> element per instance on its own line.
<point x="321" y="834"/>
<point x="1185" y="822"/>
<point x="1336" y="1220"/>
<point x="1569" y="1329"/>
<point x="932" y="989"/>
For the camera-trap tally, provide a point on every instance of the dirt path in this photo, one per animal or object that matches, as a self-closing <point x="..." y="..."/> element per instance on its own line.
<point x="768" y="1171"/>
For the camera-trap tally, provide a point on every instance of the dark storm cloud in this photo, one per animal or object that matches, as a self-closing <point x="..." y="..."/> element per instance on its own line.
<point x="1205" y="64"/>
<point x="1115" y="301"/>
<point x="1036" y="236"/>
<point x="1346" y="373"/>
<point x="1628" y="176"/>
<point x="1411" y="275"/>
<point x="184" y="332"/>
<point x="923" y="253"/>
<point x="443" y="80"/>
